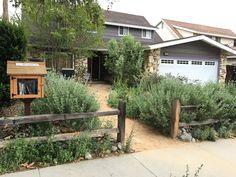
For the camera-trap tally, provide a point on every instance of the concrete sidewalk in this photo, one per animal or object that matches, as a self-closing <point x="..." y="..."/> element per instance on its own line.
<point x="218" y="158"/>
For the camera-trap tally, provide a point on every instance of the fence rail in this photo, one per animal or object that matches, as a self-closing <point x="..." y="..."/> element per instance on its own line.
<point x="175" y="120"/>
<point x="120" y="130"/>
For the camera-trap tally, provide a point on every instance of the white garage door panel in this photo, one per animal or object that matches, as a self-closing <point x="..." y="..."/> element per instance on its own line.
<point x="203" y="71"/>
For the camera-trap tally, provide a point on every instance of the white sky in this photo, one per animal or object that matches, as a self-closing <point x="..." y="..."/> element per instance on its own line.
<point x="218" y="13"/>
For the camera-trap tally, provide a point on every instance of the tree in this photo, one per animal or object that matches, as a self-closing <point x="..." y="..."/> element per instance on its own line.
<point x="13" y="45"/>
<point x="72" y="25"/>
<point x="5" y="10"/>
<point x="125" y="60"/>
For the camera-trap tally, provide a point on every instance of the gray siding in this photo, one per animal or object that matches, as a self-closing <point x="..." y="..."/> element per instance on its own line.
<point x="197" y="49"/>
<point x="112" y="32"/>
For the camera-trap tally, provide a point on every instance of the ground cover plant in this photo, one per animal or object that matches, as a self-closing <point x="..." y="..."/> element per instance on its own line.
<point x="22" y="154"/>
<point x="151" y="101"/>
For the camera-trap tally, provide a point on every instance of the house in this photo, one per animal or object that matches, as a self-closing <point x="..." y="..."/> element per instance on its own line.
<point x="117" y="25"/>
<point x="197" y="58"/>
<point x="174" y="30"/>
<point x="170" y="29"/>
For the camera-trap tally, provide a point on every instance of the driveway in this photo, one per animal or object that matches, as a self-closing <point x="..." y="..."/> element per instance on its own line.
<point x="218" y="159"/>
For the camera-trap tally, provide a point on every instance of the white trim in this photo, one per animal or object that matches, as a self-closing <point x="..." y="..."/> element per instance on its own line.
<point x="130" y="26"/>
<point x="199" y="32"/>
<point x="192" y="39"/>
<point x="231" y="57"/>
<point x="123" y="31"/>
<point x="169" y="28"/>
<point x="145" y="37"/>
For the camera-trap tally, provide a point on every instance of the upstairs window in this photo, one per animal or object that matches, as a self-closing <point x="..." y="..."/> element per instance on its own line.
<point x="218" y="39"/>
<point x="146" y="34"/>
<point x="123" y="31"/>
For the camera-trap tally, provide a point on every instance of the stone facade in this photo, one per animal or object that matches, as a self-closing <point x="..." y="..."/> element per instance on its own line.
<point x="222" y="67"/>
<point x="153" y="61"/>
<point x="81" y="65"/>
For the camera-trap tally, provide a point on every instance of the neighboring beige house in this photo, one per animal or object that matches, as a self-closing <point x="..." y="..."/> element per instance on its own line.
<point x="170" y="29"/>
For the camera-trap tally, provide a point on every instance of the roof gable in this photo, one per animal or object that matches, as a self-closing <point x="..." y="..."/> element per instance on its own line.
<point x="202" y="29"/>
<point x="128" y="19"/>
<point x="192" y="39"/>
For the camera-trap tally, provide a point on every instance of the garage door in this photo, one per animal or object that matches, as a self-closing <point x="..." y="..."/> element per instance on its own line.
<point x="200" y="70"/>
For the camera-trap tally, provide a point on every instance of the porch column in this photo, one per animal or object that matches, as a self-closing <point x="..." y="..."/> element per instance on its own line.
<point x="80" y="65"/>
<point x="153" y="61"/>
<point x="222" y="68"/>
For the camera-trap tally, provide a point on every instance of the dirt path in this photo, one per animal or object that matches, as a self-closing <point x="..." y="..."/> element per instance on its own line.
<point x="145" y="137"/>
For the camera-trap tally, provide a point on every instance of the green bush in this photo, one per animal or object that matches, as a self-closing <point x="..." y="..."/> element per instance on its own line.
<point x="64" y="96"/>
<point x="49" y="153"/>
<point x="125" y="60"/>
<point x="205" y="133"/>
<point x="13" y="45"/>
<point x="151" y="100"/>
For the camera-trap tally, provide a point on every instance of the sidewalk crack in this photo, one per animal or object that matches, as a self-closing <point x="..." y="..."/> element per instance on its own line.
<point x="39" y="172"/>
<point x="150" y="171"/>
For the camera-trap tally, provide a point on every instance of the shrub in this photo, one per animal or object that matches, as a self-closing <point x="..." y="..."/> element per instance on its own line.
<point x="125" y="60"/>
<point x="151" y="100"/>
<point x="13" y="45"/>
<point x="64" y="96"/>
<point x="49" y="153"/>
<point x="207" y="133"/>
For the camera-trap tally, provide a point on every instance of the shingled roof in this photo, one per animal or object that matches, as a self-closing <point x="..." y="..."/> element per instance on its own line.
<point x="124" y="18"/>
<point x="199" y="28"/>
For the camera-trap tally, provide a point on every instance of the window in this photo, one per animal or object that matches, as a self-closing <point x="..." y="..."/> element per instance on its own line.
<point x="217" y="39"/>
<point x="123" y="31"/>
<point x="212" y="63"/>
<point x="182" y="62"/>
<point x="27" y="86"/>
<point x="167" y="61"/>
<point x="146" y="34"/>
<point x="59" y="60"/>
<point x="196" y="62"/>
<point x="234" y="42"/>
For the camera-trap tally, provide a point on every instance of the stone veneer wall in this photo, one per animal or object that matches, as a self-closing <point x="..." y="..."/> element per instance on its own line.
<point x="222" y="67"/>
<point x="81" y="66"/>
<point x="153" y="61"/>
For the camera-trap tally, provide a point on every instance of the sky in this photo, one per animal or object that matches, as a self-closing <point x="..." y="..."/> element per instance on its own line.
<point x="217" y="13"/>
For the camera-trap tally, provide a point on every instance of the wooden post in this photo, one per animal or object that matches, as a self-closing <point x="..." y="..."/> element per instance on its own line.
<point x="27" y="106"/>
<point x="176" y="109"/>
<point x="121" y="122"/>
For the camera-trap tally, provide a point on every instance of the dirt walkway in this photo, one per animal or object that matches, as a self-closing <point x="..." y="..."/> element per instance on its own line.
<point x="145" y="137"/>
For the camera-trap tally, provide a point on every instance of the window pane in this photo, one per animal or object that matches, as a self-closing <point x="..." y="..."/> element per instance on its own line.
<point x="126" y="31"/>
<point x="167" y="61"/>
<point x="27" y="86"/>
<point x="121" y="30"/>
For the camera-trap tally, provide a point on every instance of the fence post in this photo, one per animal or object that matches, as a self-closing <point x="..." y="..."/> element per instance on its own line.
<point x="176" y="109"/>
<point x="121" y="122"/>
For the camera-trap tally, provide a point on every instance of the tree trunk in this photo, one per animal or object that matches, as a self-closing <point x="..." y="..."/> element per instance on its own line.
<point x="5" y="10"/>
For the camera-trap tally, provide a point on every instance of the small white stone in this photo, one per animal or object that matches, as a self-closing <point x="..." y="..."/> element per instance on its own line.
<point x="114" y="148"/>
<point x="193" y="140"/>
<point x="119" y="145"/>
<point x="88" y="156"/>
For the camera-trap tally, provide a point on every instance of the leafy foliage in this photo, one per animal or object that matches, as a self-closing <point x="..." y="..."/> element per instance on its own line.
<point x="125" y="60"/>
<point x="75" y="25"/>
<point x="64" y="96"/>
<point x="205" y="133"/>
<point x="151" y="100"/>
<point x="49" y="153"/>
<point x="13" y="46"/>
